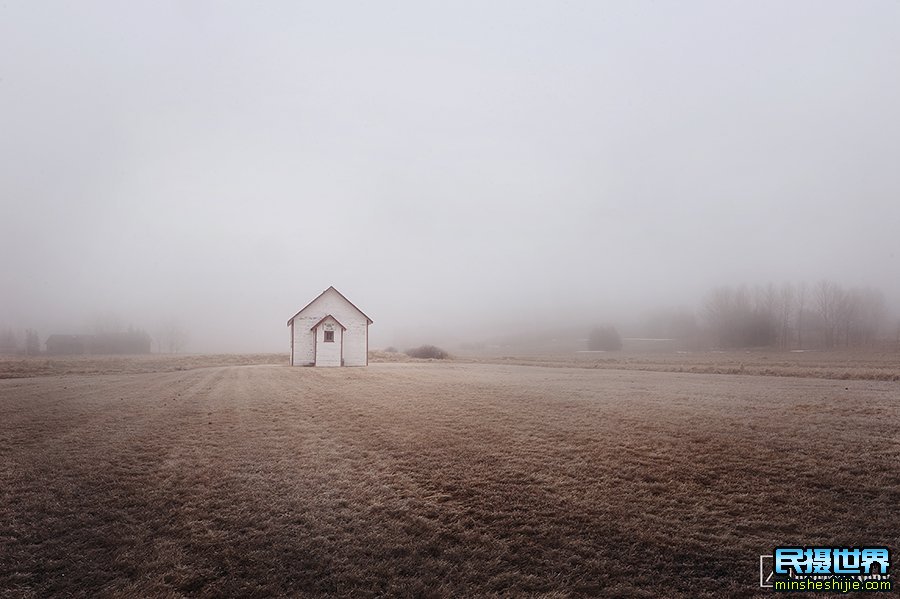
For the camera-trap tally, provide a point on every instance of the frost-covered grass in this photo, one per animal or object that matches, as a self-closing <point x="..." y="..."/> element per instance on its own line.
<point x="433" y="479"/>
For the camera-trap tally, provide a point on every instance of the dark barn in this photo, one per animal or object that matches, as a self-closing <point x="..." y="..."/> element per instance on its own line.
<point x="120" y="343"/>
<point x="67" y="344"/>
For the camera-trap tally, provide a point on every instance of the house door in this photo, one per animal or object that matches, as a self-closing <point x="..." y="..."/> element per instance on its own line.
<point x="329" y="344"/>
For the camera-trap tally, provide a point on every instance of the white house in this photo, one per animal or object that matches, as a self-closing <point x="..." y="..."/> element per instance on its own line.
<point x="330" y="331"/>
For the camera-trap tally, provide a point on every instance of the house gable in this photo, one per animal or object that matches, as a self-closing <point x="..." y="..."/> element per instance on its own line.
<point x="341" y="295"/>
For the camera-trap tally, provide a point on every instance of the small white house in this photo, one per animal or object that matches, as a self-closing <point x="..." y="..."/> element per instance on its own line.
<point x="330" y="331"/>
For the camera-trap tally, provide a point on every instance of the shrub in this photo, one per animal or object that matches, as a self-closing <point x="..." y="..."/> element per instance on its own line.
<point x="427" y="352"/>
<point x="391" y="349"/>
<point x="604" y="339"/>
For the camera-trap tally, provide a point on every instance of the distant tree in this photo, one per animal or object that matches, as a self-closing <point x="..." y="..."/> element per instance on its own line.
<point x="785" y="309"/>
<point x="765" y="300"/>
<point x="859" y="316"/>
<point x="801" y="305"/>
<point x="830" y="304"/>
<point x="32" y="342"/>
<point x="825" y="314"/>
<point x="720" y="313"/>
<point x="846" y="317"/>
<point x="171" y="336"/>
<point x="736" y="322"/>
<point x="8" y="342"/>
<point x="605" y="338"/>
<point x="872" y="315"/>
<point x="759" y="330"/>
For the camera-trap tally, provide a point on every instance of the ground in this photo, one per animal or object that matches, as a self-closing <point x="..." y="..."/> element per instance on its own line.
<point x="432" y="479"/>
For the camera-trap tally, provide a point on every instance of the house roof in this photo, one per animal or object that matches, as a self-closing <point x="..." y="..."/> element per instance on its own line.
<point x="324" y="318"/>
<point x="369" y="320"/>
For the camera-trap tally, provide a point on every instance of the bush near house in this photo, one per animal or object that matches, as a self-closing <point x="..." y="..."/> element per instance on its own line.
<point x="427" y="352"/>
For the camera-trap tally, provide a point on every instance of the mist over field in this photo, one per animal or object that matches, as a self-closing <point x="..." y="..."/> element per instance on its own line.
<point x="460" y="172"/>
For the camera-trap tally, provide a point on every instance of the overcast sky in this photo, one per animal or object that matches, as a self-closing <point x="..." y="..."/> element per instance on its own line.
<point x="447" y="166"/>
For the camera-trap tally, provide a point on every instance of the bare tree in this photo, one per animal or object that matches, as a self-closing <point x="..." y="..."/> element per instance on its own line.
<point x="861" y="316"/>
<point x="765" y="298"/>
<point x="719" y="311"/>
<point x="845" y="317"/>
<point x="829" y="297"/>
<point x="172" y="336"/>
<point x="801" y="305"/>
<point x="873" y="314"/>
<point x="785" y="309"/>
<point x="738" y="322"/>
<point x="8" y="342"/>
<point x="766" y="315"/>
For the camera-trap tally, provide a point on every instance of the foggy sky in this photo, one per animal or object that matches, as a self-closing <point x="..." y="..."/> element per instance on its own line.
<point x="450" y="167"/>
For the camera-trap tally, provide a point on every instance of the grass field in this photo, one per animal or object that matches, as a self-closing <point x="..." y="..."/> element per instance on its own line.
<point x="432" y="479"/>
<point x="838" y="365"/>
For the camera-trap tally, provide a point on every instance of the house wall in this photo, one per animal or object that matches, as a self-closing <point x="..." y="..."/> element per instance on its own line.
<point x="355" y="337"/>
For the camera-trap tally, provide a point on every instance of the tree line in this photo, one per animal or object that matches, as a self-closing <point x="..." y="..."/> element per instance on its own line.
<point x="796" y="316"/>
<point x="9" y="342"/>
<point x="823" y="315"/>
<point x="170" y="336"/>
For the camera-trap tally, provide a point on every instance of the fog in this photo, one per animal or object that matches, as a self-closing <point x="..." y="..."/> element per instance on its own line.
<point x="458" y="171"/>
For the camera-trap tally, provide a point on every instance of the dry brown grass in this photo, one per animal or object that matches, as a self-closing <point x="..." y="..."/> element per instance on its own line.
<point x="838" y="365"/>
<point x="14" y="366"/>
<point x="442" y="479"/>
<point x="377" y="355"/>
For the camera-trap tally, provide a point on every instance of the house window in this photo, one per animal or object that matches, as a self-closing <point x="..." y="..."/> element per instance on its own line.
<point x="329" y="336"/>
